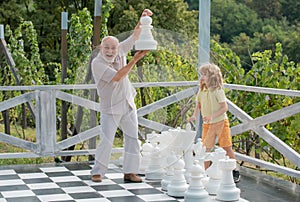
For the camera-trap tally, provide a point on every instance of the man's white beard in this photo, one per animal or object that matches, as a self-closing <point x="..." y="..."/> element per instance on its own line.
<point x="109" y="60"/>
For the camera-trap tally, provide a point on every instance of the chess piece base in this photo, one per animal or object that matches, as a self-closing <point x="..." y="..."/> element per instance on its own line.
<point x="177" y="191"/>
<point x="196" y="195"/>
<point x="165" y="182"/>
<point x="228" y="193"/>
<point x="212" y="185"/>
<point x="145" y="45"/>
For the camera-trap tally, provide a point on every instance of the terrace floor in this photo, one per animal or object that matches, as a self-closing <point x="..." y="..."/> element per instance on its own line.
<point x="71" y="182"/>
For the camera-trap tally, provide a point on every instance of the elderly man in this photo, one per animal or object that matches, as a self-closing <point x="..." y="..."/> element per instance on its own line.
<point x="117" y="107"/>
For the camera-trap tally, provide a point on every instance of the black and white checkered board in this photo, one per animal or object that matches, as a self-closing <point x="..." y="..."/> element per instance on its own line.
<point x="72" y="183"/>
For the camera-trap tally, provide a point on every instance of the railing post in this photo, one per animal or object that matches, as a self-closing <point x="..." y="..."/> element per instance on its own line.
<point x="1" y="31"/>
<point x="46" y="122"/>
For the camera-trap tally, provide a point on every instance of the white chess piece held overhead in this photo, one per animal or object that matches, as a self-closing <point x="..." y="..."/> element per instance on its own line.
<point x="146" y="40"/>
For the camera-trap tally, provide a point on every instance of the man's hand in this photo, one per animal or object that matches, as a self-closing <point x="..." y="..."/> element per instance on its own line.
<point x="139" y="55"/>
<point x="147" y="12"/>
<point x="126" y="69"/>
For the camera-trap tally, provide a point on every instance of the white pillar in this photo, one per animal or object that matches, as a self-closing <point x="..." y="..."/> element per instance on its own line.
<point x="98" y="8"/>
<point x="64" y="20"/>
<point x="204" y="32"/>
<point x="204" y="46"/>
<point x="1" y="32"/>
<point x="46" y="122"/>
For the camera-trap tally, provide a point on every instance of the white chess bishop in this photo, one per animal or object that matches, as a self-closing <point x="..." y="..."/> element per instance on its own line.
<point x="146" y="40"/>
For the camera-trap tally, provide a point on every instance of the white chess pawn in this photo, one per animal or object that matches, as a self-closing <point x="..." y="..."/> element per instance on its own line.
<point x="147" y="148"/>
<point x="196" y="191"/>
<point x="178" y="185"/>
<point x="227" y="190"/>
<point x="146" y="40"/>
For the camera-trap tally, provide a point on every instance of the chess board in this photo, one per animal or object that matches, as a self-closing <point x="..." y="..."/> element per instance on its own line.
<point x="71" y="182"/>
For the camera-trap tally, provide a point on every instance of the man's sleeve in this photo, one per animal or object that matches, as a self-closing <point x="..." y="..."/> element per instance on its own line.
<point x="126" y="45"/>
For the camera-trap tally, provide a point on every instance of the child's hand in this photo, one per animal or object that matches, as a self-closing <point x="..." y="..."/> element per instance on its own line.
<point x="192" y="118"/>
<point x="207" y="119"/>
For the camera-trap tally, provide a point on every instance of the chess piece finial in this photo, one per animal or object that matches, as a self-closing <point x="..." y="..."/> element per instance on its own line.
<point x="146" y="40"/>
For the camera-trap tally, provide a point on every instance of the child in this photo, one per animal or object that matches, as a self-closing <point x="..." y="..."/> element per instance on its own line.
<point x="211" y="101"/>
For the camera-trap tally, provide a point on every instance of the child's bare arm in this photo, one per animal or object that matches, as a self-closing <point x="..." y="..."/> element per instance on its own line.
<point x="196" y="112"/>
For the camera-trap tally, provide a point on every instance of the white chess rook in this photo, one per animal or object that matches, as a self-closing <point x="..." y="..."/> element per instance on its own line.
<point x="146" y="40"/>
<point x="227" y="190"/>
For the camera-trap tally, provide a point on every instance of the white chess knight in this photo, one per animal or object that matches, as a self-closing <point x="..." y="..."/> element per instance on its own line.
<point x="146" y="40"/>
<point x="213" y="171"/>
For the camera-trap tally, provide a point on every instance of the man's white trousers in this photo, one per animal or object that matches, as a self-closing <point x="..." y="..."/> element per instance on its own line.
<point x="108" y="126"/>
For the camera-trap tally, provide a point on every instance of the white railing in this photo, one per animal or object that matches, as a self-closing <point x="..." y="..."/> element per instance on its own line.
<point x="45" y="98"/>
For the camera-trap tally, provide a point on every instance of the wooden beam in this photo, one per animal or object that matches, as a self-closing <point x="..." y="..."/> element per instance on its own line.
<point x="166" y="101"/>
<point x="12" y="65"/>
<point x="271" y="166"/>
<point x="265" y="134"/>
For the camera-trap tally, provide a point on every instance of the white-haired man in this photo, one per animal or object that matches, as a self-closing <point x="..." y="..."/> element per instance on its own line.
<point x="110" y="72"/>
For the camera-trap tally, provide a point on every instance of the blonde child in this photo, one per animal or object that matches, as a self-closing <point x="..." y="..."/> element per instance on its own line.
<point x="211" y="102"/>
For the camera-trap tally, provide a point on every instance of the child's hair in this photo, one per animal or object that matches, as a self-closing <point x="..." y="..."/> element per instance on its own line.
<point x="214" y="76"/>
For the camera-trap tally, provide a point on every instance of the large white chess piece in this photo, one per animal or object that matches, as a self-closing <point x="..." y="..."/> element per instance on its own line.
<point x="188" y="149"/>
<point x="227" y="190"/>
<point x="196" y="191"/>
<point x="178" y="184"/>
<point x="171" y="160"/>
<point x="146" y="40"/>
<point x="214" y="171"/>
<point x="155" y="170"/>
<point x="147" y="148"/>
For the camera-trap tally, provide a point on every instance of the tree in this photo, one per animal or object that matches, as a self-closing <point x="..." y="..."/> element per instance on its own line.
<point x="266" y="8"/>
<point x="290" y="9"/>
<point x="229" y="19"/>
<point x="170" y="15"/>
<point x="193" y="4"/>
